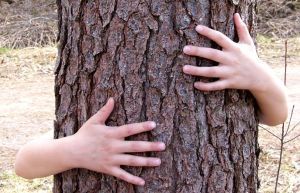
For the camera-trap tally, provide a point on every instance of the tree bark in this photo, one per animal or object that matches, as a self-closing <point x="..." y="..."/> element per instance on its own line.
<point x="132" y="50"/>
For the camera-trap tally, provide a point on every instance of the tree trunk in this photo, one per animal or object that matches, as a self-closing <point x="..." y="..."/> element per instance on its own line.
<point x="132" y="50"/>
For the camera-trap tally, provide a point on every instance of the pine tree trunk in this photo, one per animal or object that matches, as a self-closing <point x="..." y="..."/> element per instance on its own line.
<point x="132" y="50"/>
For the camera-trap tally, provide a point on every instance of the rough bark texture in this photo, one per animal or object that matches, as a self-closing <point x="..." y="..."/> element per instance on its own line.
<point x="132" y="50"/>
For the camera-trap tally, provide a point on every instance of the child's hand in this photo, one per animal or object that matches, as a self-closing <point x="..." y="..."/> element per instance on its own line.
<point x="239" y="66"/>
<point x="103" y="149"/>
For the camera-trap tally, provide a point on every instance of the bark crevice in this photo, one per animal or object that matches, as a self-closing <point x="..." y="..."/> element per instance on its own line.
<point x="132" y="51"/>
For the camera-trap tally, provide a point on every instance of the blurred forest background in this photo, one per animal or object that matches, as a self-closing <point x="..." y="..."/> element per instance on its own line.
<point x="28" y="31"/>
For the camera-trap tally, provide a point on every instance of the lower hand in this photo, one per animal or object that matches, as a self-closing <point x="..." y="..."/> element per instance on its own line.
<point x="101" y="148"/>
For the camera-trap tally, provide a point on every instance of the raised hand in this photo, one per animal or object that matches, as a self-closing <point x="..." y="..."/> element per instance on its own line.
<point x="239" y="66"/>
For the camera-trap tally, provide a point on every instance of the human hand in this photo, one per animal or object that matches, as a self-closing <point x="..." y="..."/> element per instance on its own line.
<point x="102" y="148"/>
<point x="239" y="66"/>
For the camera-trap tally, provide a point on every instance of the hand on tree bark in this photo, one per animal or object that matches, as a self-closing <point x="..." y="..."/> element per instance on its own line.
<point x="240" y="68"/>
<point x="102" y="148"/>
<point x="239" y="65"/>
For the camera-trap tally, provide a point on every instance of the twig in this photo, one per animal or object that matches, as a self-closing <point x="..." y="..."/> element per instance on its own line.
<point x="285" y="61"/>
<point x="280" y="157"/>
<point x="295" y="126"/>
<point x="269" y="132"/>
<point x="291" y="116"/>
<point x="292" y="139"/>
<point x="282" y="128"/>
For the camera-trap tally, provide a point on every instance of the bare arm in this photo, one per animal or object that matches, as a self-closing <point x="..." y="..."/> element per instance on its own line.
<point x="272" y="102"/>
<point x="240" y="68"/>
<point x="95" y="146"/>
<point x="44" y="157"/>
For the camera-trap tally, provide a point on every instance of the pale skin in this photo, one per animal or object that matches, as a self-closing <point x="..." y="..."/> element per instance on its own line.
<point x="240" y="68"/>
<point x="95" y="146"/>
<point x="103" y="149"/>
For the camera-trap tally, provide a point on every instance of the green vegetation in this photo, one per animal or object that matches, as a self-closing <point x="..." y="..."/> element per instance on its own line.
<point x="4" y="50"/>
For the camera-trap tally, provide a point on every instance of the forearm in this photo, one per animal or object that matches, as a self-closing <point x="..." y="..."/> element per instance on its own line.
<point x="42" y="158"/>
<point x="272" y="102"/>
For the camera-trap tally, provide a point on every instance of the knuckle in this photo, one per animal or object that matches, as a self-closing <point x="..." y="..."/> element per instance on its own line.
<point x="219" y="36"/>
<point x="208" y="87"/>
<point x="149" y="162"/>
<point x="225" y="84"/>
<point x="107" y="159"/>
<point x="210" y="53"/>
<point x="129" y="131"/>
<point x="108" y="146"/>
<point x="212" y="71"/>
<point x="103" y="111"/>
<point x="235" y="61"/>
<point x="217" y="54"/>
<point x="135" y="146"/>
<point x="105" y="169"/>
<point x="229" y="84"/>
<point x="123" y="176"/>
<point x="196" y="51"/>
<point x="153" y="146"/>
<point x="213" y="87"/>
<point x="238" y="49"/>
<point x="197" y="85"/>
<point x="132" y="161"/>
<point x="107" y="133"/>
<point x="221" y="86"/>
<point x="244" y="26"/>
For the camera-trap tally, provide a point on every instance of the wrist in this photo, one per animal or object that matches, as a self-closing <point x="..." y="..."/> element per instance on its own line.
<point x="264" y="80"/>
<point x="70" y="155"/>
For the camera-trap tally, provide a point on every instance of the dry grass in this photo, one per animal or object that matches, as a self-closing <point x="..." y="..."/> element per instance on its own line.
<point x="28" y="23"/>
<point x="10" y="183"/>
<point x="279" y="18"/>
<point x="26" y="62"/>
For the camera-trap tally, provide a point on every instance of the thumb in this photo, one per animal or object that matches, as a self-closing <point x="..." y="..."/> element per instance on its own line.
<point x="102" y="115"/>
<point x="242" y="30"/>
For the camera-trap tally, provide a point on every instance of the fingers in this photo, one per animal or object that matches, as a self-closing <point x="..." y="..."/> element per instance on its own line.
<point x="102" y="115"/>
<point x="242" y="30"/>
<point x="132" y="129"/>
<point x="212" y="86"/>
<point x="122" y="174"/>
<point x="139" y="146"/>
<point x="131" y="160"/>
<point x="216" y="36"/>
<point x="208" y="53"/>
<point x="215" y="71"/>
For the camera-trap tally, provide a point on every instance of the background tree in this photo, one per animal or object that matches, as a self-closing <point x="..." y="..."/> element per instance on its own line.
<point x="132" y="51"/>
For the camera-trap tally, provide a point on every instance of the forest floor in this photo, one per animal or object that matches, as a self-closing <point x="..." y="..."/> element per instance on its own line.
<point x="27" y="112"/>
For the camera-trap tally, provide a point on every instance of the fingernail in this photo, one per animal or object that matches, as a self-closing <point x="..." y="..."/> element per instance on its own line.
<point x="186" y="49"/>
<point x="110" y="99"/>
<point x="152" y="124"/>
<point x="186" y="68"/>
<point x="157" y="162"/>
<point x="142" y="183"/>
<point x="199" y="28"/>
<point x="162" y="146"/>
